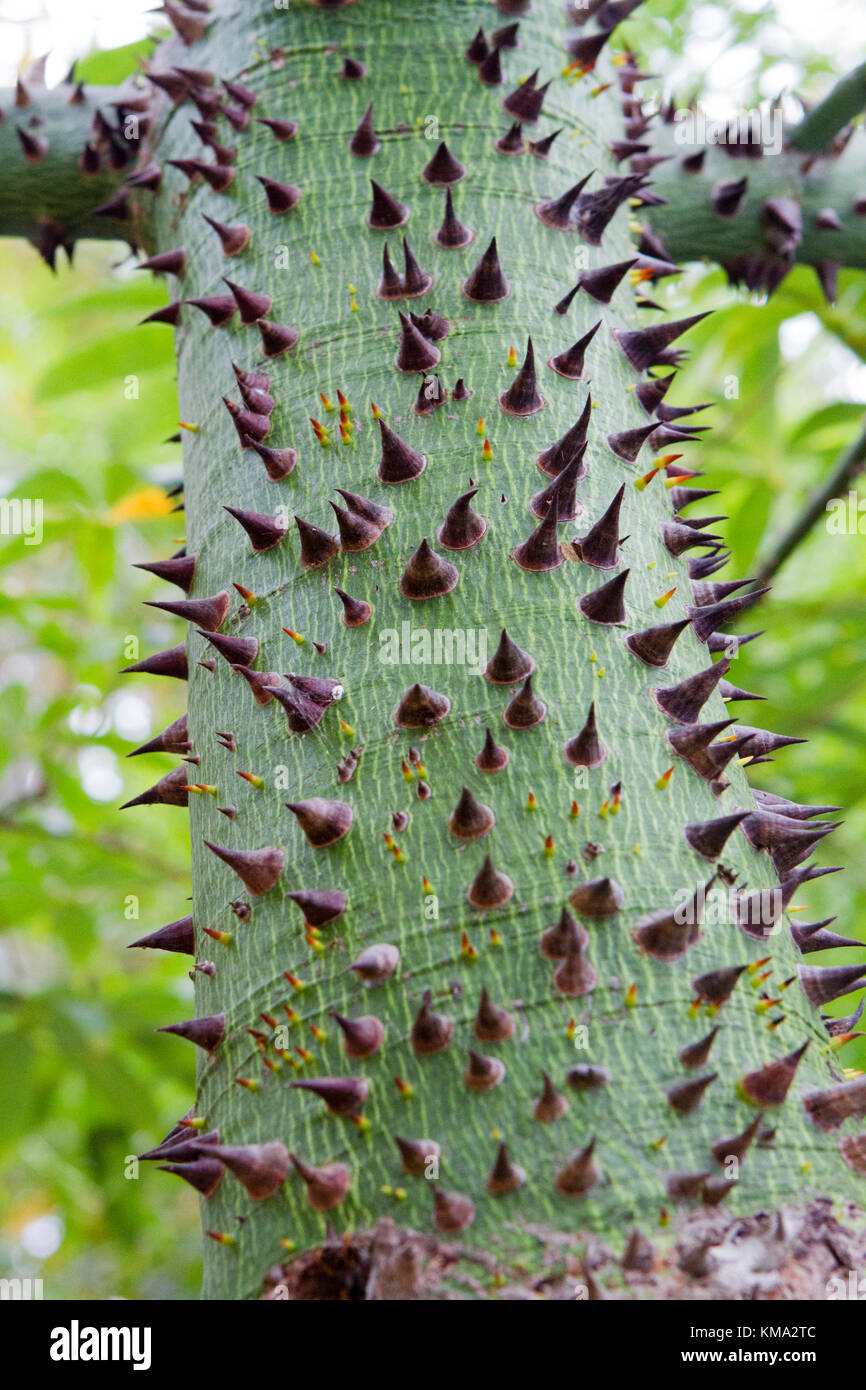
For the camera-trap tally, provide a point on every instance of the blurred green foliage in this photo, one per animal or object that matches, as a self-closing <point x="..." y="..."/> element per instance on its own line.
<point x="84" y="1079"/>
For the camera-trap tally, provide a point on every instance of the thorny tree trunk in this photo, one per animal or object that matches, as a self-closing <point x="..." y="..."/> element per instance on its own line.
<point x="622" y="990"/>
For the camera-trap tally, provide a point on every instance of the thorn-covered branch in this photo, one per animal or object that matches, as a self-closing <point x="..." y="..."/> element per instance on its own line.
<point x="820" y="126"/>
<point x="754" y="204"/>
<point x="68" y="162"/>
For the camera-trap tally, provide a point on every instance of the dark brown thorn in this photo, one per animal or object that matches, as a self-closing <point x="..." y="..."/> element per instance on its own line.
<point x="541" y="148"/>
<point x="166" y="262"/>
<point x="570" y="363"/>
<point x="551" y="1104"/>
<point x="512" y="142"/>
<point x="277" y="338"/>
<point x="643" y="346"/>
<point x="708" y="838"/>
<point x="523" y="396"/>
<point x="452" y="233"/>
<point x="415" y="280"/>
<point x="428" y="575"/>
<point x="443" y="168"/>
<point x="233" y="238"/>
<point x="327" y="1186"/>
<point x="414" y="352"/>
<point x="686" y="1096"/>
<point x="356" y="532"/>
<point x="606" y="604"/>
<point x="653" y="646"/>
<point x="597" y="897"/>
<point x="627" y="444"/>
<point x="173" y="739"/>
<point x="668" y="933"/>
<point x="559" y="212"/>
<point x="238" y="651"/>
<point x="317" y="546"/>
<point x="264" y="531"/>
<point x="524" y="710"/>
<point x="343" y="1095"/>
<point x="490" y="68"/>
<point x="319" y="906"/>
<point x="206" y="1033"/>
<point x="258" y="869"/>
<point x="526" y="101"/>
<point x="179" y="570"/>
<point x="204" y="1174"/>
<point x="279" y="463"/>
<point x="586" y="748"/>
<point x="420" y="707"/>
<point x="172" y="662"/>
<point x="281" y="130"/>
<point x="170" y="314"/>
<point x="579" y="1175"/>
<point x="418" y="1156"/>
<point x="470" y="819"/>
<point x="564" y="938"/>
<point x="386" y="212"/>
<point x="218" y="176"/>
<point x="260" y="683"/>
<point x="505" y="1176"/>
<point x="560" y="495"/>
<point x="463" y="527"/>
<point x="541" y="550"/>
<point x="365" y="142"/>
<point x="170" y="790"/>
<point x="716" y="986"/>
<point x="492" y="1023"/>
<point x="250" y="425"/>
<point x="572" y="445"/>
<point x="770" y="1085"/>
<point x="323" y="822"/>
<point x="209" y="613"/>
<point x="282" y="197"/>
<point x="696" y="1054"/>
<point x="176" y="936"/>
<point x="738" y="1146"/>
<point x="490" y="888"/>
<point x="727" y="196"/>
<point x="486" y="283"/>
<point x="478" y="48"/>
<point x="509" y="663"/>
<point x="376" y="963"/>
<point x="431" y="1032"/>
<point x="821" y="984"/>
<point x="391" y="284"/>
<point x="684" y="702"/>
<point x="362" y="1036"/>
<point x="600" y="284"/>
<point x="399" y="463"/>
<point x="483" y="1073"/>
<point x="218" y="308"/>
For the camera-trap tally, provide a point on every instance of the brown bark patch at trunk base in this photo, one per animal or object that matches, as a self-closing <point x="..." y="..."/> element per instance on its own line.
<point x="801" y="1253"/>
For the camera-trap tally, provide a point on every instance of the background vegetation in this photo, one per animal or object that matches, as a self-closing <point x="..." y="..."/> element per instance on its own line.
<point x="84" y="1079"/>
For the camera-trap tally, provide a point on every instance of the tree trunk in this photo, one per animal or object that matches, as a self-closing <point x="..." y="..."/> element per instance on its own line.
<point x="615" y="995"/>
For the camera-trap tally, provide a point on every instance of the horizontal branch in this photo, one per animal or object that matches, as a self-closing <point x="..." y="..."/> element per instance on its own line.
<point x="64" y="156"/>
<point x="757" y="216"/>
<point x="845" y="101"/>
